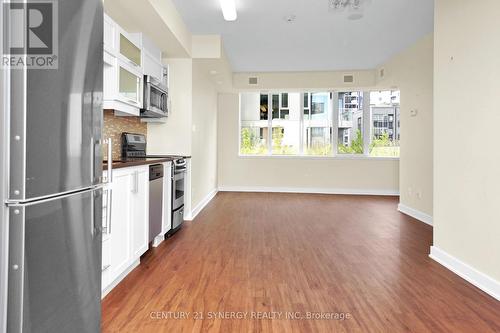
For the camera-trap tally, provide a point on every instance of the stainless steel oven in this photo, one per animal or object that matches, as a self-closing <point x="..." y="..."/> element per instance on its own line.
<point x="155" y="98"/>
<point x="179" y="168"/>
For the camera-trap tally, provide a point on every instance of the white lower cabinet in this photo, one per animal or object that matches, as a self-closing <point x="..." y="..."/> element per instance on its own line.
<point x="125" y="234"/>
<point x="140" y="212"/>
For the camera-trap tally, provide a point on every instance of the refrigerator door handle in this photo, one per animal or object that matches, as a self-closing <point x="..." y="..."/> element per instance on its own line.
<point x="16" y="245"/>
<point x="92" y="218"/>
<point x="109" y="144"/>
<point x="110" y="160"/>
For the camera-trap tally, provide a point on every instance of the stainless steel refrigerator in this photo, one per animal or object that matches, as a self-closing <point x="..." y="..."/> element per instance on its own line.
<point x="52" y="188"/>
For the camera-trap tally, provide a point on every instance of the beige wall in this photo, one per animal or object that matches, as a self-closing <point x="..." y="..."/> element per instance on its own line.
<point x="412" y="72"/>
<point x="191" y="128"/>
<point x="323" y="174"/>
<point x="466" y="157"/>
<point x="174" y="136"/>
<point x="304" y="80"/>
<point x="204" y="135"/>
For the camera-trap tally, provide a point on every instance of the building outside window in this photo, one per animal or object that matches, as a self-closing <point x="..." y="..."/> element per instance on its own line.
<point x="286" y="124"/>
<point x="385" y="113"/>
<point x="304" y="123"/>
<point x="317" y="127"/>
<point x="254" y="133"/>
<point x="350" y="134"/>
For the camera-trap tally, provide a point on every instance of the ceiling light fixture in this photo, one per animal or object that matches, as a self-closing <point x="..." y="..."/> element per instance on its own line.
<point x="354" y="7"/>
<point x="290" y="18"/>
<point x="340" y="5"/>
<point x="228" y="10"/>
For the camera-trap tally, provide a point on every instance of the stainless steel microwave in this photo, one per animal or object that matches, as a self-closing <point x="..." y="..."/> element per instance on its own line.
<point x="155" y="98"/>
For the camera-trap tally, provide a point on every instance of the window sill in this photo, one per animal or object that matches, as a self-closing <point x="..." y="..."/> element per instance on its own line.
<point x="312" y="157"/>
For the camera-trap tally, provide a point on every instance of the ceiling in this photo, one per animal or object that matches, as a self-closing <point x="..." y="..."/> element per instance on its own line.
<point x="261" y="40"/>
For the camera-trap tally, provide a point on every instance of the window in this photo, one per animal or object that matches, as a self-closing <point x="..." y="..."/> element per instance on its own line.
<point x="286" y="124"/>
<point x="385" y="113"/>
<point x="320" y="123"/>
<point x="307" y="110"/>
<point x="264" y="107"/>
<point x="254" y="135"/>
<point x="350" y="118"/>
<point x="317" y="125"/>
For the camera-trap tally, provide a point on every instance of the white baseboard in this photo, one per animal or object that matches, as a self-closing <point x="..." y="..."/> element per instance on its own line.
<point x="416" y="214"/>
<point x="119" y="279"/>
<point x="158" y="240"/>
<point x="199" y="207"/>
<point x="468" y="273"/>
<point x="308" y="190"/>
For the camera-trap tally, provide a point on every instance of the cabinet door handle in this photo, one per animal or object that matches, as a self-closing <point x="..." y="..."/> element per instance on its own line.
<point x="109" y="210"/>
<point x="135" y="188"/>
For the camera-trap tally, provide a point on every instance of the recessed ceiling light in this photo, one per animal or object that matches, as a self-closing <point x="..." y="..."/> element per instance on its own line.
<point x="290" y="18"/>
<point x="228" y="10"/>
<point x="355" y="16"/>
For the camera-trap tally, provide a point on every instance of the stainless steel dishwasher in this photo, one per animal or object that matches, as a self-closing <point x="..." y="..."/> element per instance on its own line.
<point x="155" y="200"/>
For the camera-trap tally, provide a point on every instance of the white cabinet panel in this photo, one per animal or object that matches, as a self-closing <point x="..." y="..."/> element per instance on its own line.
<point x="152" y="67"/>
<point x="109" y="35"/>
<point x="106" y="263"/>
<point x="125" y="237"/>
<point x="140" y="211"/>
<point x="119" y="228"/>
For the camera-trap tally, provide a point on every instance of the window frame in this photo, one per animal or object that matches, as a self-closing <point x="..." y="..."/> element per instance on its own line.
<point x="333" y="109"/>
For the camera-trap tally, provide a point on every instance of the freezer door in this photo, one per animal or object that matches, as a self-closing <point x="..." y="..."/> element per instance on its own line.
<point x="54" y="280"/>
<point x="56" y="114"/>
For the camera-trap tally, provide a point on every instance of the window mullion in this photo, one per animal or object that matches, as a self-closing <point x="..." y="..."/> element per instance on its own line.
<point x="270" y="123"/>
<point x="334" y="107"/>
<point x="367" y="137"/>
<point x="301" y="125"/>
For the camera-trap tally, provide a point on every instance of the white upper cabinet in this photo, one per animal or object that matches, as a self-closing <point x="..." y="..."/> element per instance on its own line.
<point x="127" y="58"/>
<point x="123" y="71"/>
<point x="129" y="48"/>
<point x="130" y="85"/>
<point x="152" y="58"/>
<point x="109" y="35"/>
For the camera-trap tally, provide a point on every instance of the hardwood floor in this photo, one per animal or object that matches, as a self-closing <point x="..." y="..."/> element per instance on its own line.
<point x="298" y="253"/>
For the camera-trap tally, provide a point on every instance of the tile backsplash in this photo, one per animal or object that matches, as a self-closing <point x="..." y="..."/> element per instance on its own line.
<point x="114" y="126"/>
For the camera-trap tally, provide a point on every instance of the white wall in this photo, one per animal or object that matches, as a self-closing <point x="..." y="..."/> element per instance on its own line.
<point x="204" y="136"/>
<point x="294" y="172"/>
<point x="411" y="71"/>
<point x="191" y="128"/>
<point x="466" y="159"/>
<point x="304" y="80"/>
<point x="174" y="136"/>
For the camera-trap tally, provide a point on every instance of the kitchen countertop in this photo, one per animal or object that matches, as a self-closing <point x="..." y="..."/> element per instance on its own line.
<point x="131" y="162"/>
